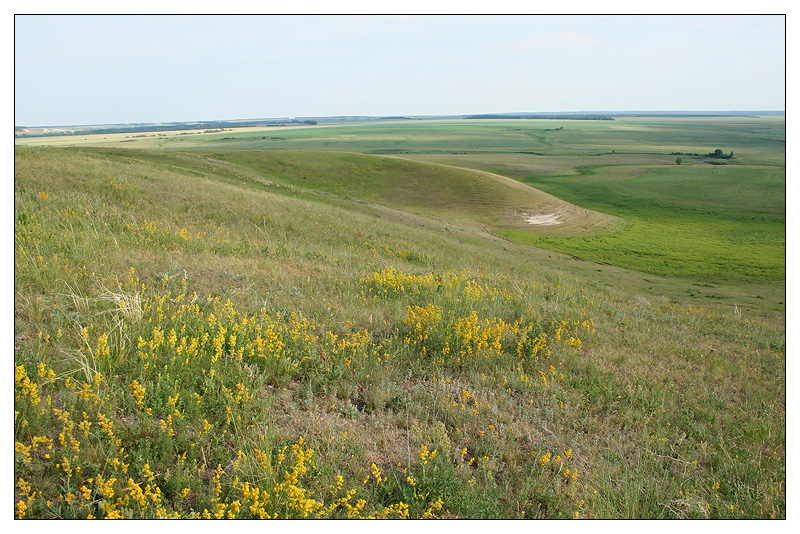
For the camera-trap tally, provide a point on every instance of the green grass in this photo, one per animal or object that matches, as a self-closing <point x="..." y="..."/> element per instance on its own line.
<point x="631" y="205"/>
<point x="752" y="137"/>
<point x="183" y="319"/>
<point x="721" y="225"/>
<point x="681" y="220"/>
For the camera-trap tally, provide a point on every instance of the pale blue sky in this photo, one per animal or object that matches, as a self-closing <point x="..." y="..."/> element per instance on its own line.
<point x="122" y="69"/>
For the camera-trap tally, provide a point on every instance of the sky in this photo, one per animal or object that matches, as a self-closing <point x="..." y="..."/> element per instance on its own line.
<point x="81" y="70"/>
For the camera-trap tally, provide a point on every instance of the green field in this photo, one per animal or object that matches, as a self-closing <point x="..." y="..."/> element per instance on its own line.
<point x="681" y="220"/>
<point x="720" y="224"/>
<point x="357" y="321"/>
<point x="759" y="138"/>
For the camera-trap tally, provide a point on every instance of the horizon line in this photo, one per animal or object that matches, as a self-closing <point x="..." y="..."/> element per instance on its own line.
<point x="462" y="115"/>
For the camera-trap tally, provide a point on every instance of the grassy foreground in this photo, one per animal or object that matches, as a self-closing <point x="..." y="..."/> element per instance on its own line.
<point x="192" y="341"/>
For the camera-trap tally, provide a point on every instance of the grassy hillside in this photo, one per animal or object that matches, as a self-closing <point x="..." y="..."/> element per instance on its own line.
<point x="720" y="224"/>
<point x="729" y="225"/>
<point x="629" y="203"/>
<point x="220" y="334"/>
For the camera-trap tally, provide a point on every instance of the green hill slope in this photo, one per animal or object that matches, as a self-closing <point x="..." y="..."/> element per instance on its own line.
<point x="447" y="194"/>
<point x="649" y="199"/>
<point x="219" y="334"/>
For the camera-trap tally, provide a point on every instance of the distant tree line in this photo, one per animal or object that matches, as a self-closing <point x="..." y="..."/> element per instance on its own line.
<point x="718" y="154"/>
<point x="556" y="117"/>
<point x="42" y="134"/>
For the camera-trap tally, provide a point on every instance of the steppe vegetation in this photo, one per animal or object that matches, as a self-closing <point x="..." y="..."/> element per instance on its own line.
<point x="704" y="223"/>
<point x="249" y="334"/>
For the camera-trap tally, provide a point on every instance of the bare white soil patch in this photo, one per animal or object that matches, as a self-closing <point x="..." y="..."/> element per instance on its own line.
<point x="543" y="220"/>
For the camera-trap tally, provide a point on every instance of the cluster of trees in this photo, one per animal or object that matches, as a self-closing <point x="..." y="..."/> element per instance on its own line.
<point x="719" y="154"/>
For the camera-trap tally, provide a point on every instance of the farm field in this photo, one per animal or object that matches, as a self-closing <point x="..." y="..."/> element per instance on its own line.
<point x="360" y="321"/>
<point x="763" y="137"/>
